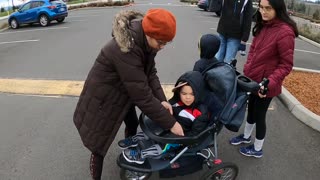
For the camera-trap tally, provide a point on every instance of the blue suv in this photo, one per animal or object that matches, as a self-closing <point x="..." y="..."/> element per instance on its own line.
<point x="39" y="11"/>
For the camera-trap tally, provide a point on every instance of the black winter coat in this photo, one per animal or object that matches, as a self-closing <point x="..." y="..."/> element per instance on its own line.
<point x="123" y="75"/>
<point x="236" y="18"/>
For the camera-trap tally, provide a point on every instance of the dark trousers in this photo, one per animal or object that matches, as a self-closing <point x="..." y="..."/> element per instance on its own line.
<point x="96" y="161"/>
<point x="131" y="121"/>
<point x="257" y="110"/>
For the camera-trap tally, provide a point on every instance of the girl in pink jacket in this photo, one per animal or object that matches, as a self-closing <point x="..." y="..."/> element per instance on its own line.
<point x="271" y="57"/>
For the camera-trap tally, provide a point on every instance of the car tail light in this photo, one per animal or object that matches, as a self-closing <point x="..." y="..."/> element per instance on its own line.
<point x="52" y="7"/>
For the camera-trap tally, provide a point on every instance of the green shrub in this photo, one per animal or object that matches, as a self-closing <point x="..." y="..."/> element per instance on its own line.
<point x="99" y="4"/>
<point x="316" y="15"/>
<point x="305" y="31"/>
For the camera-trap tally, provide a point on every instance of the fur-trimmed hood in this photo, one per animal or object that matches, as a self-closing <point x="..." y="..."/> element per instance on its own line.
<point x="124" y="28"/>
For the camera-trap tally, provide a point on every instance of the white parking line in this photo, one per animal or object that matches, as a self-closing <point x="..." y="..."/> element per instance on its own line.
<point x="207" y="21"/>
<point x="22" y="41"/>
<point x="312" y="52"/>
<point x="39" y="29"/>
<point x="84" y="16"/>
<point x="301" y="50"/>
<point x="169" y="4"/>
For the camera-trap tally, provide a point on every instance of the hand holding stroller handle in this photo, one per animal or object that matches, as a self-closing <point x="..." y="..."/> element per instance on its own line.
<point x="264" y="83"/>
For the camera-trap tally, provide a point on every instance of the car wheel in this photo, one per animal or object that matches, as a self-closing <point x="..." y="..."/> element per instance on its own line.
<point x="14" y="23"/>
<point x="60" y="20"/>
<point x="44" y="20"/>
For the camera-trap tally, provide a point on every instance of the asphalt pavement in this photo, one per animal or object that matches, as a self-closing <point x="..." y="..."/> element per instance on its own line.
<point x="37" y="135"/>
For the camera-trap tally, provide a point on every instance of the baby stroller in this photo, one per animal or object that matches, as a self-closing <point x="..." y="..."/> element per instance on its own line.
<point x="225" y="87"/>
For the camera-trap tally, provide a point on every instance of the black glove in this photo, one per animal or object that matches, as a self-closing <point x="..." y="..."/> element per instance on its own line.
<point x="242" y="47"/>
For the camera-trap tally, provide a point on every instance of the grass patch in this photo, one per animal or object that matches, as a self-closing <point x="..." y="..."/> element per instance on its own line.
<point x="100" y="4"/>
<point x="77" y="1"/>
<point x="190" y="1"/>
<point x="5" y="13"/>
<point x="3" y="25"/>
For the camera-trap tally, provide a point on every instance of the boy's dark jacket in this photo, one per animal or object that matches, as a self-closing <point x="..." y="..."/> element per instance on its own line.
<point x="209" y="45"/>
<point x="195" y="80"/>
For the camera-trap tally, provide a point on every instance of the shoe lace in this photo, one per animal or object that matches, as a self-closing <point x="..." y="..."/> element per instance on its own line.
<point x="128" y="141"/>
<point x="133" y="152"/>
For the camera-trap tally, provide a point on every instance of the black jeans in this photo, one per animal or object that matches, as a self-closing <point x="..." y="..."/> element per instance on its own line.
<point x="131" y="121"/>
<point x="257" y="110"/>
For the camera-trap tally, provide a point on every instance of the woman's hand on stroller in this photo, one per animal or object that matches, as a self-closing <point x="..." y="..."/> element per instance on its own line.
<point x="168" y="106"/>
<point x="177" y="129"/>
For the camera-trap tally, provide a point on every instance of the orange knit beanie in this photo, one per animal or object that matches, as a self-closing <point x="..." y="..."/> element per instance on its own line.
<point x="159" y="24"/>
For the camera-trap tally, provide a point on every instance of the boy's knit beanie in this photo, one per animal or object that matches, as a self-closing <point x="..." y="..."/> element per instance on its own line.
<point x="159" y="24"/>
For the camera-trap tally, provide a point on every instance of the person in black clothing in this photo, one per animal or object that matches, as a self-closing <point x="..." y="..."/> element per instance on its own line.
<point x="208" y="46"/>
<point x="234" y="28"/>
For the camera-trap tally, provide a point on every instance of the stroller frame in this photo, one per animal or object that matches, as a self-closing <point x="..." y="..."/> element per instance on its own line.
<point x="199" y="145"/>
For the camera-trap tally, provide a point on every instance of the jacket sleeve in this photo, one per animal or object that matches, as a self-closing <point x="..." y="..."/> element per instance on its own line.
<point x="201" y="122"/>
<point x="131" y="72"/>
<point x="247" y="20"/>
<point x="250" y="57"/>
<point x="285" y="46"/>
<point x="155" y="85"/>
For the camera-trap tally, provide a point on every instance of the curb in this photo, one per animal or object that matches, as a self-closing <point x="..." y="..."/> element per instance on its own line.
<point x="309" y="41"/>
<point x="297" y="109"/>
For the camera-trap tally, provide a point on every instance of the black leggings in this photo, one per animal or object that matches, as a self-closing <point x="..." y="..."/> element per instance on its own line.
<point x="257" y="109"/>
<point x="131" y="121"/>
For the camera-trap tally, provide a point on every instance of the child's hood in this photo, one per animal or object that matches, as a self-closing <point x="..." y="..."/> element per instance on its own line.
<point x="195" y="80"/>
<point x="209" y="45"/>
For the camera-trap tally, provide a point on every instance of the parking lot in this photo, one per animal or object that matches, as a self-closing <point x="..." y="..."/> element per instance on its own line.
<point x="37" y="135"/>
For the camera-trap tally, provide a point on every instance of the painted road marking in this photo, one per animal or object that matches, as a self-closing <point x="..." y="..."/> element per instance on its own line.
<point x="301" y="50"/>
<point x="50" y="87"/>
<point x="39" y="29"/>
<point x="78" y="16"/>
<point x="55" y="88"/>
<point x="169" y="4"/>
<point x="22" y="41"/>
<point x="312" y="52"/>
<point x="41" y="87"/>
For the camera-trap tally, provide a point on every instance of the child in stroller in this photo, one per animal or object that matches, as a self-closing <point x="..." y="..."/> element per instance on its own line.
<point x="228" y="90"/>
<point x="188" y="110"/>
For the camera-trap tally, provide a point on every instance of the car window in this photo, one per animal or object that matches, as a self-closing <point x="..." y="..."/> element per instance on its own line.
<point x="35" y="4"/>
<point x="25" y="7"/>
<point x="55" y="1"/>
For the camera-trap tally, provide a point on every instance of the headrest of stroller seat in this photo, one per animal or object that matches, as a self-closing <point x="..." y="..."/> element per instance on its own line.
<point x="246" y="84"/>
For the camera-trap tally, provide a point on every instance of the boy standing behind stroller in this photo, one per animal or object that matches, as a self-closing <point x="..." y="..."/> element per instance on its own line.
<point x="188" y="111"/>
<point x="208" y="46"/>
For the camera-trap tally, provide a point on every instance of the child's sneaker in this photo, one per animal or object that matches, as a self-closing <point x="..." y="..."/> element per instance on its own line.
<point x="133" y="155"/>
<point x="239" y="140"/>
<point x="132" y="141"/>
<point x="250" y="151"/>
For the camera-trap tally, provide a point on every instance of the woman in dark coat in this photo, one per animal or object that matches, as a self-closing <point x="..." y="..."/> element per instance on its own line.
<point x="122" y="77"/>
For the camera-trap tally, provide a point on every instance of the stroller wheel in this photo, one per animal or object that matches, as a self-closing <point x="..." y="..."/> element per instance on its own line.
<point x="223" y="171"/>
<point x="133" y="175"/>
